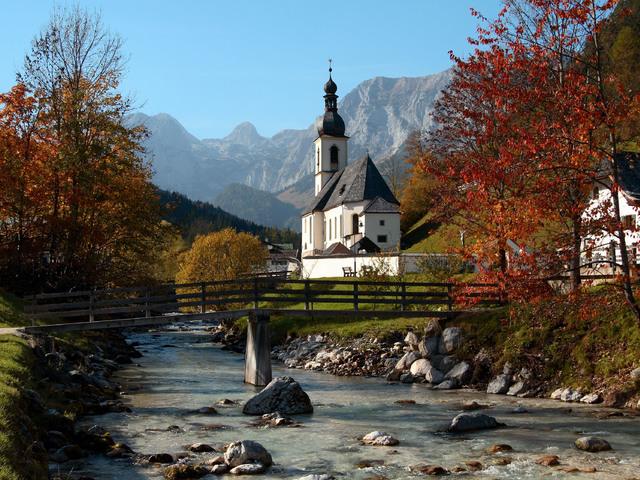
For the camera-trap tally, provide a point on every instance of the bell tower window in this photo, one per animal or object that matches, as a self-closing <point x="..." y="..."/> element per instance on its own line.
<point x="333" y="155"/>
<point x="354" y="224"/>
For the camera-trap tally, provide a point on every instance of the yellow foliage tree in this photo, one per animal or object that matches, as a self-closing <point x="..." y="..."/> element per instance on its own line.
<point x="218" y="256"/>
<point x="223" y="255"/>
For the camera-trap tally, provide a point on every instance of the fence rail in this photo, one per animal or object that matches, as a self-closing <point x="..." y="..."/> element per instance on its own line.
<point x="278" y="295"/>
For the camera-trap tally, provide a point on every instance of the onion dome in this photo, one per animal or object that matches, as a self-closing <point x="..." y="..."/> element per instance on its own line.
<point x="331" y="123"/>
<point x="330" y="87"/>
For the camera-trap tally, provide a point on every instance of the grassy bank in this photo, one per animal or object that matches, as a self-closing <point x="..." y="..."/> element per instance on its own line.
<point x="19" y="460"/>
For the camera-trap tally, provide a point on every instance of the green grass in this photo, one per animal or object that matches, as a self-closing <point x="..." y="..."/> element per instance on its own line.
<point x="428" y="237"/>
<point x="342" y="329"/>
<point x="11" y="310"/>
<point x="17" y="459"/>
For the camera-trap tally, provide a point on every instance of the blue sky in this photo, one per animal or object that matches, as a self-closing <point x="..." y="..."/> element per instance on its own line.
<point x="214" y="64"/>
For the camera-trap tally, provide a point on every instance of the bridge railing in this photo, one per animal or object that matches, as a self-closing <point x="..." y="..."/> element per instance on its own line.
<point x="275" y="294"/>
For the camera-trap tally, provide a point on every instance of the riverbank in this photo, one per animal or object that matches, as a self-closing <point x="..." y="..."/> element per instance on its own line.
<point x="580" y="346"/>
<point x="46" y="383"/>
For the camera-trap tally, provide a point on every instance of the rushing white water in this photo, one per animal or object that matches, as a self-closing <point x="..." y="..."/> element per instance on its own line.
<point x="183" y="371"/>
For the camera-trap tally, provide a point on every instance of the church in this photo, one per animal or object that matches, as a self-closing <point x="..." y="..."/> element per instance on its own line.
<point x="354" y="210"/>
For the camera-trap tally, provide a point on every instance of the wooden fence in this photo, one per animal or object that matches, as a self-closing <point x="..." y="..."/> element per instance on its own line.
<point x="273" y="296"/>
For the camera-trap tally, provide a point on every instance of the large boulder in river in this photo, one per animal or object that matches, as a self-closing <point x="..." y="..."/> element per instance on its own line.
<point x="460" y="374"/>
<point x="592" y="444"/>
<point x="282" y="395"/>
<point x="500" y="384"/>
<point x="423" y="368"/>
<point x="466" y="422"/>
<point x="246" y="451"/>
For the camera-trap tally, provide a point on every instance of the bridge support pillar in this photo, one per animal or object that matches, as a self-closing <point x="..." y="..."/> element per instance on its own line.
<point x="257" y="357"/>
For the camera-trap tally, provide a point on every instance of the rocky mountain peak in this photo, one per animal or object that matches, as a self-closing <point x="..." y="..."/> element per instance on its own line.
<point x="244" y="134"/>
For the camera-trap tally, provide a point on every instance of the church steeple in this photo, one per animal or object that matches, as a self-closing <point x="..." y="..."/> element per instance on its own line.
<point x="331" y="122"/>
<point x="331" y="144"/>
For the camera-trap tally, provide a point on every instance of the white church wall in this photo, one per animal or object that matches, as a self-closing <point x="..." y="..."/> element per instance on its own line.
<point x="383" y="229"/>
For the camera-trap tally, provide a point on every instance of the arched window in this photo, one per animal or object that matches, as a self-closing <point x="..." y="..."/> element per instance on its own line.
<point x="333" y="155"/>
<point x="354" y="224"/>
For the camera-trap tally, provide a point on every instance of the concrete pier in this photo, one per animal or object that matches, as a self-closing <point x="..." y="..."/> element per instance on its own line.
<point x="257" y="359"/>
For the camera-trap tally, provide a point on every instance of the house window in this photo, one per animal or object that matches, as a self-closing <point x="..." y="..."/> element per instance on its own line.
<point x="333" y="155"/>
<point x="354" y="224"/>
<point x="382" y="223"/>
<point x="629" y="221"/>
<point x="382" y="239"/>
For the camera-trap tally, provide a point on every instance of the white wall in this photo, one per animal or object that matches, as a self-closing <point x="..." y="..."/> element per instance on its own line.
<point x="601" y="245"/>
<point x="391" y="229"/>
<point x="320" y="267"/>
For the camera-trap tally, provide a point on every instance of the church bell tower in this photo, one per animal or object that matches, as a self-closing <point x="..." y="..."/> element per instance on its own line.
<point x="331" y="145"/>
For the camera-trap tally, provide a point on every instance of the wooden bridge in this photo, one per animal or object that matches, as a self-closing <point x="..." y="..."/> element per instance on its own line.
<point x="257" y="298"/>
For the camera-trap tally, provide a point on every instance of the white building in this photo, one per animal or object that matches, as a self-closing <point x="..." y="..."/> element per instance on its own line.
<point x="598" y="250"/>
<point x="353" y="205"/>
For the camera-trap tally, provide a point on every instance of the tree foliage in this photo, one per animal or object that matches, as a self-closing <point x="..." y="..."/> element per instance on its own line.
<point x="79" y="210"/>
<point x="527" y="125"/>
<point x="223" y="255"/>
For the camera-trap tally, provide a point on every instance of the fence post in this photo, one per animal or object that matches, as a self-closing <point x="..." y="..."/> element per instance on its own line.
<point x="403" y="297"/>
<point x="203" y="306"/>
<point x="355" y="295"/>
<point x="307" y="294"/>
<point x="34" y="302"/>
<point x="92" y="298"/>
<point x="449" y="299"/>
<point x="147" y="312"/>
<point x="255" y="293"/>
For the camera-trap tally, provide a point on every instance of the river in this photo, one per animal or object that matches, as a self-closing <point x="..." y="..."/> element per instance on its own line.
<point x="182" y="371"/>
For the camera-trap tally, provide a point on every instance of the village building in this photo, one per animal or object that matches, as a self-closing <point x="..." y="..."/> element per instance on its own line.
<point x="354" y="211"/>
<point x="599" y="250"/>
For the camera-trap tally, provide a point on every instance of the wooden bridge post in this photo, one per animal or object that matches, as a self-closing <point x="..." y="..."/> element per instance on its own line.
<point x="307" y="294"/>
<point x="203" y="305"/>
<point x="257" y="357"/>
<point x="34" y="302"/>
<point x="92" y="298"/>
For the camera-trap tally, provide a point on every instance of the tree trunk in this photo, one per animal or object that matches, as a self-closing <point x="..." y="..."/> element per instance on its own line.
<point x="574" y="261"/>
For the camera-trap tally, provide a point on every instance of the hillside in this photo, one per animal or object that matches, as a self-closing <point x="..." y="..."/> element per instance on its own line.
<point x="198" y="218"/>
<point x="257" y="206"/>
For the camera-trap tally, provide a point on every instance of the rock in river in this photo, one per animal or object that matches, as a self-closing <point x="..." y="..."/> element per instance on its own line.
<point x="592" y="444"/>
<point x="283" y="395"/>
<point x="466" y="422"/>
<point x="246" y="451"/>
<point x="181" y="471"/>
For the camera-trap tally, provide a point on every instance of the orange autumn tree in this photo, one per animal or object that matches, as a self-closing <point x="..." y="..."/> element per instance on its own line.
<point x="24" y="150"/>
<point x="88" y="188"/>
<point x="525" y="126"/>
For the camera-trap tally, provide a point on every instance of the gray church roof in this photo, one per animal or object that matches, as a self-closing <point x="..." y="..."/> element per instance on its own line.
<point x="380" y="205"/>
<point x="357" y="182"/>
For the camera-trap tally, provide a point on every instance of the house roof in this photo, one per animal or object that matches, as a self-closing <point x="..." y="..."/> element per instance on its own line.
<point x="366" y="244"/>
<point x="629" y="165"/>
<point x="357" y="182"/>
<point x="380" y="205"/>
<point x="337" y="249"/>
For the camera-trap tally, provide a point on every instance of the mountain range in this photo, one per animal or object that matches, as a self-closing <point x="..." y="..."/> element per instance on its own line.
<point x="379" y="114"/>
